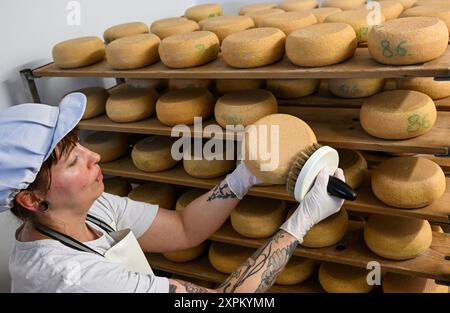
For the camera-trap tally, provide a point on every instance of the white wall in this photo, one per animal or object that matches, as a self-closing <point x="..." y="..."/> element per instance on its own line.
<point x="29" y="29"/>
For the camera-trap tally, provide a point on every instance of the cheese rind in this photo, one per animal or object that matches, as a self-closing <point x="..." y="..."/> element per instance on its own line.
<point x="153" y="154"/>
<point x="297" y="270"/>
<point x="96" y="101"/>
<point x="298" y="5"/>
<point x="398" y="114"/>
<point x="227" y="258"/>
<point x="427" y="85"/>
<point x="203" y="11"/>
<point x="224" y="86"/>
<point x="124" y="30"/>
<point x="260" y="15"/>
<point x="78" y="52"/>
<point x="292" y="88"/>
<point x="159" y="194"/>
<point x="290" y="21"/>
<point x="224" y="26"/>
<point x="322" y="13"/>
<point x="173" y="26"/>
<point x="110" y="146"/>
<point x="256" y="7"/>
<point x="343" y="4"/>
<point x="408" y="182"/>
<point x="397" y="238"/>
<point x="354" y="166"/>
<point x="254" y="47"/>
<point x="340" y="278"/>
<point x="398" y="283"/>
<point x="117" y="186"/>
<point x="321" y="44"/>
<point x="189" y="49"/>
<point x="355" y="87"/>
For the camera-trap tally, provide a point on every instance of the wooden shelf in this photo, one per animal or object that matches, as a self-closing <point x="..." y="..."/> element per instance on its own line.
<point x="360" y="65"/>
<point x="431" y="264"/>
<point x="337" y="127"/>
<point x="202" y="269"/>
<point x="437" y="212"/>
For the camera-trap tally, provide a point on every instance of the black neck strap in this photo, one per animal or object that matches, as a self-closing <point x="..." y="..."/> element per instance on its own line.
<point x="69" y="241"/>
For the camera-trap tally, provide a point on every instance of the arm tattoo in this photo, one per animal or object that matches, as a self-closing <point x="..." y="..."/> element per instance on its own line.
<point x="272" y="263"/>
<point x="172" y="288"/>
<point x="191" y="288"/>
<point x="221" y="191"/>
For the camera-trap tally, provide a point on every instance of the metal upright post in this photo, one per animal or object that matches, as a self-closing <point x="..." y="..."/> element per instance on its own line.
<point x="30" y="85"/>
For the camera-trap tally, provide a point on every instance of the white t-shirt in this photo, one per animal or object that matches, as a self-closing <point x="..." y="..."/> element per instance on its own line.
<point x="49" y="266"/>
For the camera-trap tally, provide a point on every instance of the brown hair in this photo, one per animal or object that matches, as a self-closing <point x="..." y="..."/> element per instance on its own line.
<point x="43" y="179"/>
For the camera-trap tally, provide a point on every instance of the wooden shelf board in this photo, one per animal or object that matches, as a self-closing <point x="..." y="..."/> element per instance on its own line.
<point x="366" y="202"/>
<point x="431" y="264"/>
<point x="337" y="127"/>
<point x="202" y="269"/>
<point x="360" y="65"/>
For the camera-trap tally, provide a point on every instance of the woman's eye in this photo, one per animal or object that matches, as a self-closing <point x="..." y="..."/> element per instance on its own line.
<point x="74" y="161"/>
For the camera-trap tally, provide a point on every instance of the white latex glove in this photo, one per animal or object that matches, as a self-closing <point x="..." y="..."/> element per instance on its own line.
<point x="315" y="207"/>
<point x="241" y="180"/>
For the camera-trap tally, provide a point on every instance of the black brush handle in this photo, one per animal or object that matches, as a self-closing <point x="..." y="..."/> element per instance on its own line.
<point x="338" y="188"/>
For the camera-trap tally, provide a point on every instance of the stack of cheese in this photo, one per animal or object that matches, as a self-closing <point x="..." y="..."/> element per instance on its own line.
<point x="215" y="159"/>
<point x="189" y="254"/>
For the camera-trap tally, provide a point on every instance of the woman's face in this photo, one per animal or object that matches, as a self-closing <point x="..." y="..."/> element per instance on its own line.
<point x="77" y="180"/>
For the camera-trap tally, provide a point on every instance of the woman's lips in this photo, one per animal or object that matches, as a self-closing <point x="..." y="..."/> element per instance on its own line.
<point x="99" y="176"/>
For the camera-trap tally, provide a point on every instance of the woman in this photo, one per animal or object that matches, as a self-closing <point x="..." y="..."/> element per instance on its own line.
<point x="76" y="238"/>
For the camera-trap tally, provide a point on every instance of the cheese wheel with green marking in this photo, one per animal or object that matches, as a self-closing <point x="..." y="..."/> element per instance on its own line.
<point x="189" y="49"/>
<point x="244" y="107"/>
<point x="398" y="114"/>
<point x="355" y="87"/>
<point x="408" y="40"/>
<point x="203" y="11"/>
<point x="254" y="47"/>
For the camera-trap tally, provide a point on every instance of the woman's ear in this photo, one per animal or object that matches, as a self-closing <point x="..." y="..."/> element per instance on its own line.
<point x="28" y="200"/>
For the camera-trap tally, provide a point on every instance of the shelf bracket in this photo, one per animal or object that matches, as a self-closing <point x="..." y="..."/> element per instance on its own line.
<point x="28" y="80"/>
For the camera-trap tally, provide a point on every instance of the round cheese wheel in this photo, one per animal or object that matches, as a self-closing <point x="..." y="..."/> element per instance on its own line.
<point x="290" y="21"/>
<point x="256" y="7"/>
<point x="322" y="13"/>
<point x="224" y="26"/>
<point x="244" y="107"/>
<point x="173" y="26"/>
<point x="258" y="217"/>
<point x="298" y="5"/>
<point x="398" y="283"/>
<point x="427" y="85"/>
<point x="440" y="11"/>
<point x="429" y="2"/>
<point x="274" y="167"/>
<point x="321" y="44"/>
<point x="128" y="104"/>
<point x="340" y="278"/>
<point x="397" y="238"/>
<point x="186" y="255"/>
<point x="224" y="86"/>
<point x="157" y="84"/>
<point x="207" y="166"/>
<point x="110" y="146"/>
<point x="203" y="11"/>
<point x="408" y="182"/>
<point x="358" y="19"/>
<point x="297" y="270"/>
<point x="343" y="4"/>
<point x="260" y="15"/>
<point x="153" y="154"/>
<point x="133" y="52"/>
<point x="176" y="84"/>
<point x="159" y="194"/>
<point x="355" y="87"/>
<point x="78" y="52"/>
<point x="189" y="49"/>
<point x="96" y="101"/>
<point x="390" y="9"/>
<point x="354" y="166"/>
<point x="124" y="30"/>
<point x="182" y="106"/>
<point x="117" y="186"/>
<point x="188" y="197"/>
<point x="398" y="114"/>
<point x="328" y="232"/>
<point x="292" y="88"/>
<point x="408" y="40"/>
<point x="254" y="47"/>
<point x="227" y="258"/>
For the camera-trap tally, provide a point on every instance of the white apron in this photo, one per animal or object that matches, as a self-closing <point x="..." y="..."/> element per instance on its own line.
<point x="126" y="251"/>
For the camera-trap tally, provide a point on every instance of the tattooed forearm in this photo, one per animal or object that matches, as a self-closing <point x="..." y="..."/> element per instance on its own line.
<point x="221" y="191"/>
<point x="192" y="288"/>
<point x="264" y="265"/>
